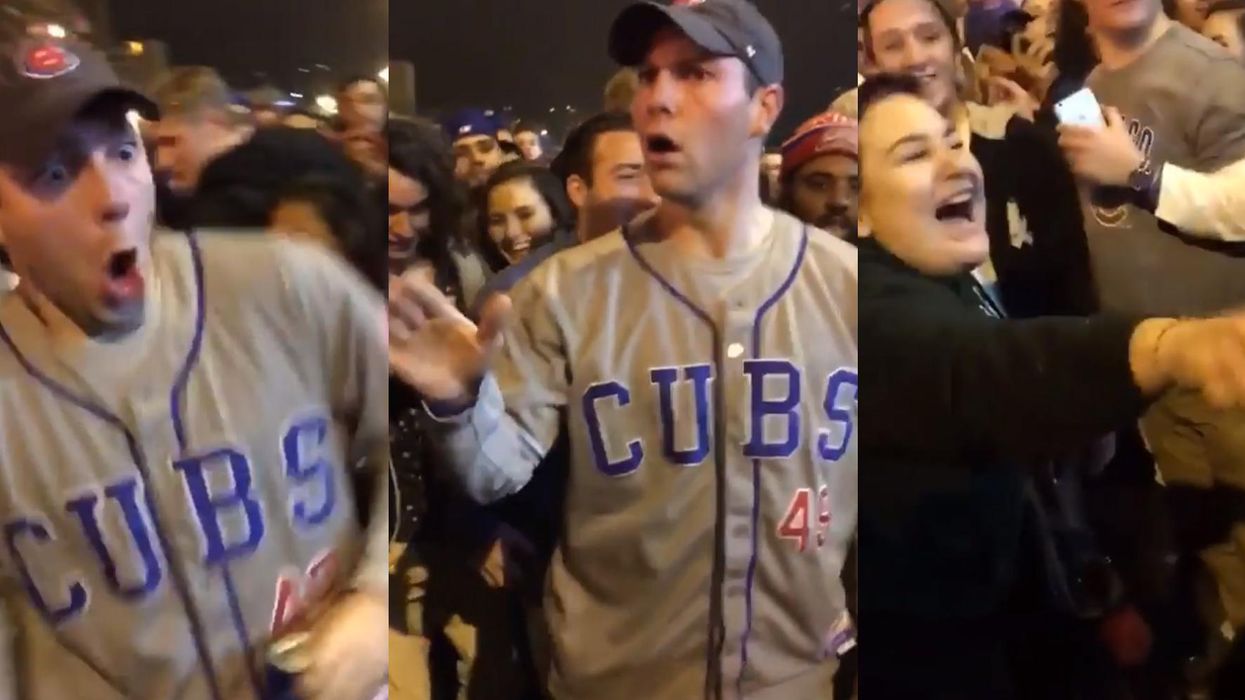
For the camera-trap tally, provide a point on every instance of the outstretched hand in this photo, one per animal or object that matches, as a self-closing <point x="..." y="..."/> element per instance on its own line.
<point x="433" y="347"/>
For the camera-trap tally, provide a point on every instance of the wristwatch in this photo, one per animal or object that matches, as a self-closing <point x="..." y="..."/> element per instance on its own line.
<point x="1144" y="184"/>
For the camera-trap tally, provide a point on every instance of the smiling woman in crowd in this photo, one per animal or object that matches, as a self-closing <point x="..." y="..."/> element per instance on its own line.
<point x="523" y="206"/>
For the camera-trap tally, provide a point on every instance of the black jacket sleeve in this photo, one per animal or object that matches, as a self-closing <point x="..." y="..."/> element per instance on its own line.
<point x="944" y="381"/>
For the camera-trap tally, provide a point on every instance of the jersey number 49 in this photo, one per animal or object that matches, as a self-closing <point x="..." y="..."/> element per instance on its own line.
<point x="806" y="520"/>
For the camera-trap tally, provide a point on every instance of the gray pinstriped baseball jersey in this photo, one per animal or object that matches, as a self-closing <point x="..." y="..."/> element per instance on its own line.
<point x="680" y="383"/>
<point x="166" y="501"/>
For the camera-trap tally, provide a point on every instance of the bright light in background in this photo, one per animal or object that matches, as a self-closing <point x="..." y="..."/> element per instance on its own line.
<point x="296" y="95"/>
<point x="384" y="74"/>
<point x="57" y="31"/>
<point x="134" y="48"/>
<point x="327" y="103"/>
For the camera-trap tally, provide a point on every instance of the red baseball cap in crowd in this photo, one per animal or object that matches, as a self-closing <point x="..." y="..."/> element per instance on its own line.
<point x="828" y="132"/>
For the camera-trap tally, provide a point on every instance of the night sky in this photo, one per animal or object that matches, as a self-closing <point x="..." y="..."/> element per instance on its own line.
<point x="536" y="54"/>
<point x="276" y="37"/>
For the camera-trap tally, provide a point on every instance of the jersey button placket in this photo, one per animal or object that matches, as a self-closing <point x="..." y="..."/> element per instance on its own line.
<point x="736" y="332"/>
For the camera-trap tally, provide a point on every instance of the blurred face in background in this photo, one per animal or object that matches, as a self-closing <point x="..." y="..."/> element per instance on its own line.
<point x="1191" y="13"/>
<point x="362" y="105"/>
<point x="518" y="217"/>
<point x="529" y="143"/>
<point x="367" y="150"/>
<point x="1224" y="28"/>
<point x="475" y="159"/>
<point x="619" y="189"/>
<point x="1133" y="17"/>
<point x="909" y="36"/>
<point x="921" y="191"/>
<point x="410" y="215"/>
<point x="825" y="193"/>
<point x="187" y="143"/>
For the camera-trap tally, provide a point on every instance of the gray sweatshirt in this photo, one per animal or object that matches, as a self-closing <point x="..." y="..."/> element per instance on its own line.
<point x="1184" y="102"/>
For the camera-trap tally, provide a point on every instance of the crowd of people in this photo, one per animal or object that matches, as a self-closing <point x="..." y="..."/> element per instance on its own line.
<point x="1101" y="560"/>
<point x="620" y="393"/>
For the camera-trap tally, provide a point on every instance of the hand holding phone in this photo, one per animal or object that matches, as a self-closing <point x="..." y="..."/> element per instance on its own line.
<point x="1081" y="108"/>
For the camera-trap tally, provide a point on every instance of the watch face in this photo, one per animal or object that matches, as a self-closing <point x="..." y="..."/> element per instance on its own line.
<point x="1139" y="179"/>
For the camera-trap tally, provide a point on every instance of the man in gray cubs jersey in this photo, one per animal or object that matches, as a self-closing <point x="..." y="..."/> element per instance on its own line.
<point x="178" y="420"/>
<point x="703" y="364"/>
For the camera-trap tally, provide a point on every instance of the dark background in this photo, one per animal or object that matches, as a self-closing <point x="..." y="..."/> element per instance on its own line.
<point x="288" y="43"/>
<point x="538" y="54"/>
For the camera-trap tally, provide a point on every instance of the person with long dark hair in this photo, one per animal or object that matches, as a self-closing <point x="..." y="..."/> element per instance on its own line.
<point x="429" y="210"/>
<point x="454" y="559"/>
<point x="522" y="207"/>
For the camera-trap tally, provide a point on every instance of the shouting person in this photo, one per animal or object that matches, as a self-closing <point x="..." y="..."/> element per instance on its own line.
<point x="191" y="411"/>
<point x="703" y="370"/>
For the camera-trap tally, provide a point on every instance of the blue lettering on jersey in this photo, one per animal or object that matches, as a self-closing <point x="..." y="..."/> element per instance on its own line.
<point x="620" y="395"/>
<point x="665" y="378"/>
<point x="209" y="507"/>
<point x="311" y="468"/>
<point x="842" y="379"/>
<point x="32" y="529"/>
<point x="786" y="408"/>
<point x="125" y="493"/>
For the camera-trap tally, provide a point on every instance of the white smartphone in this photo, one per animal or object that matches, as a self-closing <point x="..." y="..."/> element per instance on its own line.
<point x="1080" y="108"/>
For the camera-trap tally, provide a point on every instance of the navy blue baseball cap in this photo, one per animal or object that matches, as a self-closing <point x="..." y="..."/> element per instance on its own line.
<point x="721" y="27"/>
<point x="470" y="122"/>
<point x="45" y="82"/>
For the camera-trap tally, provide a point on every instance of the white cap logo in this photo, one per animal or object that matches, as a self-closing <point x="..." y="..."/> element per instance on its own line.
<point x="751" y="51"/>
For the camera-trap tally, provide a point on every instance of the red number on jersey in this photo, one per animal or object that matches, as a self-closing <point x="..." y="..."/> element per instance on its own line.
<point x="798" y="523"/>
<point x="295" y="595"/>
<point x="794" y="525"/>
<point x="823" y="514"/>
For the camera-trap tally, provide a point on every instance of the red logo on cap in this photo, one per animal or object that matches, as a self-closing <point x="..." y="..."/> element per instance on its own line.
<point x="48" y="61"/>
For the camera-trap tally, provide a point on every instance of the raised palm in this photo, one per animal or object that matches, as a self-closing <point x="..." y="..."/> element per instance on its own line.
<point x="433" y="347"/>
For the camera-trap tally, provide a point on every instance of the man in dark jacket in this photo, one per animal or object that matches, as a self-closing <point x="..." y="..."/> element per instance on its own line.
<point x="960" y="402"/>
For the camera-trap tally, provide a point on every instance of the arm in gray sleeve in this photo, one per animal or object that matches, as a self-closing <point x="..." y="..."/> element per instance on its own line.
<point x="1218" y="125"/>
<point x="1206" y="205"/>
<point x="493" y="447"/>
<point x="348" y="319"/>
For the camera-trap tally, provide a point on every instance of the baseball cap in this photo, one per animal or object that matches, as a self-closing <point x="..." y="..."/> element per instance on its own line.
<point x="470" y="122"/>
<point x="44" y="83"/>
<point x="828" y="132"/>
<point x="721" y="27"/>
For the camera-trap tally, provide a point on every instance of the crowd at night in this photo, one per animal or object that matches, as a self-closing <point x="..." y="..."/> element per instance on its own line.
<point x="586" y="423"/>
